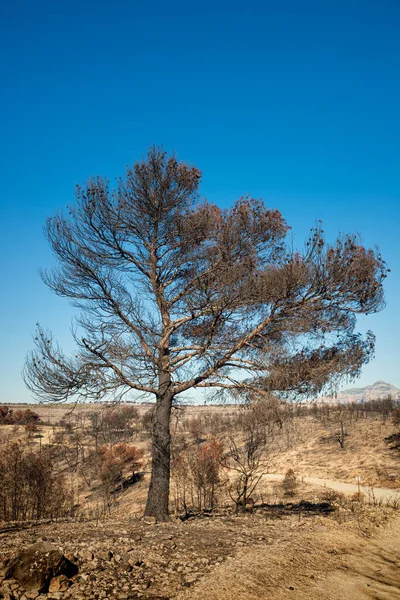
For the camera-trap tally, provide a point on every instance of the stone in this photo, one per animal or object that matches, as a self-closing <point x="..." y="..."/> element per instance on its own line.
<point x="35" y="567"/>
<point x="135" y="561"/>
<point x="190" y="579"/>
<point x="59" y="584"/>
<point x="7" y="595"/>
<point x="71" y="556"/>
<point x="105" y="555"/>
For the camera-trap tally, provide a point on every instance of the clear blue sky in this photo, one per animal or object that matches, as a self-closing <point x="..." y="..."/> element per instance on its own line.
<point x="294" y="101"/>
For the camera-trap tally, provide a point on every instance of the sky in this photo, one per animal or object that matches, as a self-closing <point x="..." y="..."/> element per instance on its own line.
<point x="296" y="102"/>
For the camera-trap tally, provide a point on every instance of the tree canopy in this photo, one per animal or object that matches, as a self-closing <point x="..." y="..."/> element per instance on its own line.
<point x="175" y="293"/>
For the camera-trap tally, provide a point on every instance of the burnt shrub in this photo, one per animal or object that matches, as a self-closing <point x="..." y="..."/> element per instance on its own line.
<point x="30" y="488"/>
<point x="8" y="416"/>
<point x="290" y="483"/>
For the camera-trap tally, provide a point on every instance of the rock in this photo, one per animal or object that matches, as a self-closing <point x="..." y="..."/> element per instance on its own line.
<point x="105" y="555"/>
<point x="35" y="567"/>
<point x="190" y="580"/>
<point x="6" y="594"/>
<point x="71" y="556"/>
<point x="59" y="584"/>
<point x="135" y="561"/>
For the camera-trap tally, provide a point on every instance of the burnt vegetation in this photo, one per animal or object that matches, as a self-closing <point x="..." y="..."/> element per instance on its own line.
<point x="394" y="439"/>
<point x="9" y="416"/>
<point x="82" y="466"/>
<point x="31" y="488"/>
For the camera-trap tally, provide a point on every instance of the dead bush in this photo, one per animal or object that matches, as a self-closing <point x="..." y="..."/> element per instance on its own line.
<point x="119" y="422"/>
<point x="30" y="488"/>
<point x="197" y="476"/>
<point x="333" y="497"/>
<point x="290" y="483"/>
<point x="9" y="416"/>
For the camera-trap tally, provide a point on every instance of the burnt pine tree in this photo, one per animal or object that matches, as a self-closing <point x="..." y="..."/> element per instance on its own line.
<point x="176" y="293"/>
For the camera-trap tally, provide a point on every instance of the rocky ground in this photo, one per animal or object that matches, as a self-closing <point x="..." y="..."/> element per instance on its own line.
<point x="268" y="554"/>
<point x="135" y="558"/>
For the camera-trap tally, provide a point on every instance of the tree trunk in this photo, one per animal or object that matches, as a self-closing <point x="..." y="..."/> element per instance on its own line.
<point x="341" y="435"/>
<point x="158" y="496"/>
<point x="244" y="500"/>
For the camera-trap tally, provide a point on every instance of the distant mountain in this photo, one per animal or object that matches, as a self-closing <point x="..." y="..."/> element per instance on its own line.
<point x="379" y="389"/>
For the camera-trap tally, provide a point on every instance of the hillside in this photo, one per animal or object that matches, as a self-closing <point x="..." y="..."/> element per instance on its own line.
<point x="378" y="390"/>
<point x="311" y="450"/>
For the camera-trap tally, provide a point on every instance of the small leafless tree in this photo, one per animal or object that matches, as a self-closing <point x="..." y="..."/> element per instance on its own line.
<point x="196" y="427"/>
<point x="340" y="435"/>
<point x="177" y="294"/>
<point x="95" y="426"/>
<point x="147" y="421"/>
<point x="249" y="458"/>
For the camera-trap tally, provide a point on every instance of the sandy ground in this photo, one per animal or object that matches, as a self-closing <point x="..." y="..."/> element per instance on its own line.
<point x="322" y="565"/>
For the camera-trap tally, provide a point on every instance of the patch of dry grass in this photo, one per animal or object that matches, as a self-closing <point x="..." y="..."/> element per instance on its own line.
<point x="311" y="451"/>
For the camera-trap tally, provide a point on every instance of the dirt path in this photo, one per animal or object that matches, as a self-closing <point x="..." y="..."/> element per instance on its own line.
<point x="373" y="572"/>
<point x="345" y="488"/>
